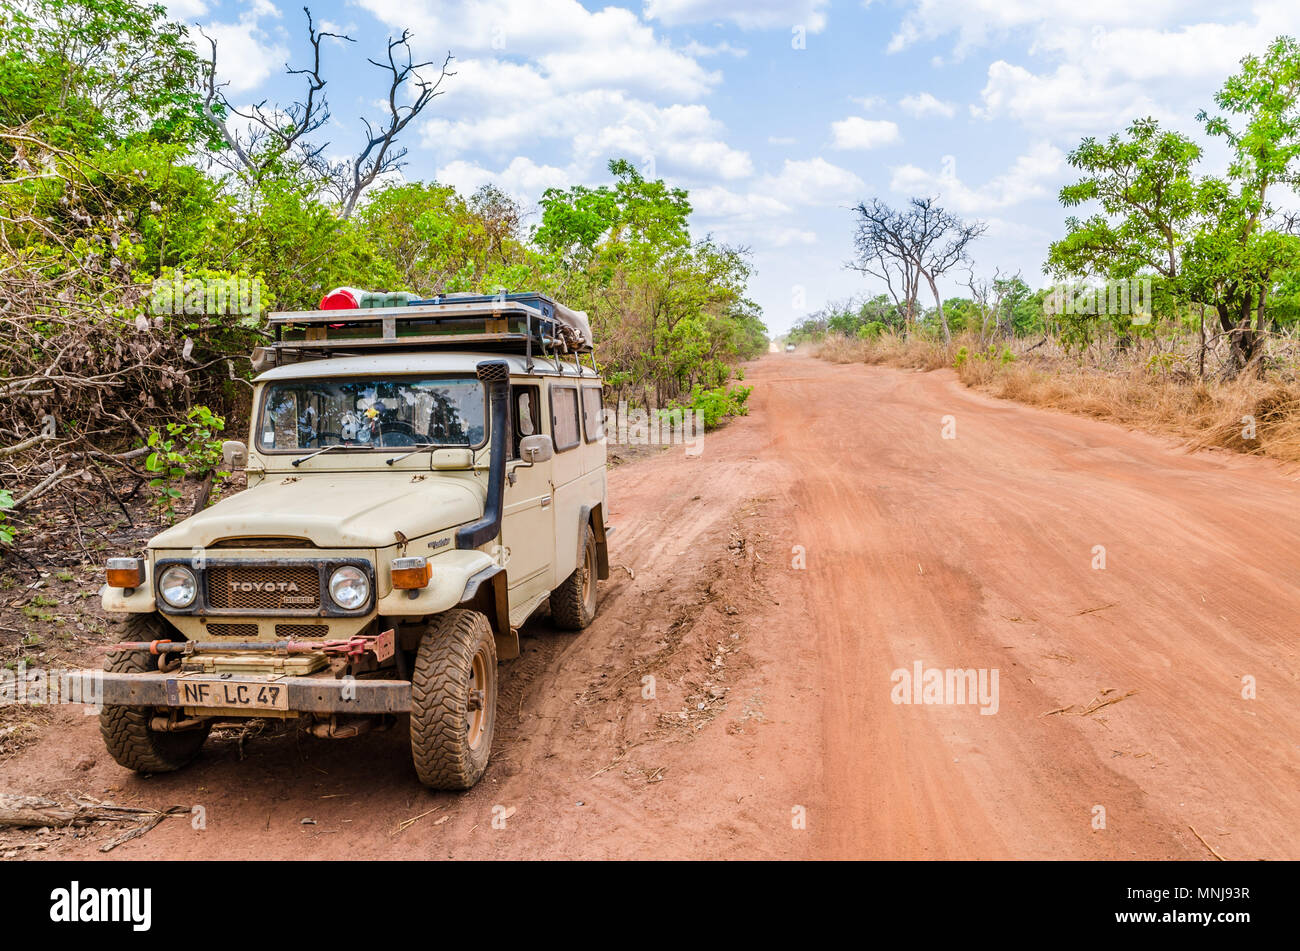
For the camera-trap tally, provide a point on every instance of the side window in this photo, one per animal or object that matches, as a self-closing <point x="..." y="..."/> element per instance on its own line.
<point x="564" y="417"/>
<point x="593" y="419"/>
<point x="526" y="415"/>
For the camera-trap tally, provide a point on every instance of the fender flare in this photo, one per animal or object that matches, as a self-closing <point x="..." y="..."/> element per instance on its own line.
<point x="596" y="515"/>
<point x="486" y="591"/>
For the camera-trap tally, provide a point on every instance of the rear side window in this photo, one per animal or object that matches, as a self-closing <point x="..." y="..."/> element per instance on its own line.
<point x="593" y="420"/>
<point x="564" y="417"/>
<point x="527" y="415"/>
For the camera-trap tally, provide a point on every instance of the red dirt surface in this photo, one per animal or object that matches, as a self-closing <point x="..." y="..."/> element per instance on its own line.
<point x="772" y="694"/>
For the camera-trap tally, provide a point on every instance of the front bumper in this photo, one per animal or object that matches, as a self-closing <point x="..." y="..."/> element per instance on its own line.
<point x="321" y="693"/>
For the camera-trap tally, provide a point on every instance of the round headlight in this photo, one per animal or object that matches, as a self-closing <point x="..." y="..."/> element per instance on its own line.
<point x="177" y="587"/>
<point x="349" y="587"/>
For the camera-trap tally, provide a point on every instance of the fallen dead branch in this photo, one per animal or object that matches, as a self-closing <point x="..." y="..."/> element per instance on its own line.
<point x="38" y="812"/>
<point x="1095" y="705"/>
<point x="1207" y="845"/>
<point x="1101" y="607"/>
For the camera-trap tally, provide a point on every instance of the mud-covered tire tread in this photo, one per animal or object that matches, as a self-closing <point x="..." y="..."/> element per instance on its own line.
<point x="439" y="700"/>
<point x="568" y="609"/>
<point x="126" y="730"/>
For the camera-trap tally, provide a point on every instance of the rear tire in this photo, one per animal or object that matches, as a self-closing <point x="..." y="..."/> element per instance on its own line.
<point x="573" y="603"/>
<point x="454" y="700"/>
<point x="126" y="731"/>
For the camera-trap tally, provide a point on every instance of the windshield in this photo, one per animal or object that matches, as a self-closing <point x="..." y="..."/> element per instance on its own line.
<point x="372" y="413"/>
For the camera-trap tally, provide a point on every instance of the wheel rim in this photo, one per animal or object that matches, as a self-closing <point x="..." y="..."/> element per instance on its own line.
<point x="589" y="577"/>
<point x="476" y="715"/>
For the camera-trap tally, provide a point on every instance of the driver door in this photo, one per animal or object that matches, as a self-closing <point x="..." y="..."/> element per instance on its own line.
<point x="528" y="517"/>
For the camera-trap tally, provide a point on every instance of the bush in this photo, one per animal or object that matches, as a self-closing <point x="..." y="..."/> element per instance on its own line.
<point x="184" y="449"/>
<point x="6" y="530"/>
<point x="714" y="405"/>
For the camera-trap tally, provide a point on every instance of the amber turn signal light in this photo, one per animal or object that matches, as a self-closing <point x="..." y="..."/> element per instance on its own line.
<point x="411" y="572"/>
<point x="125" y="573"/>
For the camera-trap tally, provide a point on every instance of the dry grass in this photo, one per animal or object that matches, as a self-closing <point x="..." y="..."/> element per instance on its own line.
<point x="1207" y="415"/>
<point x="895" y="350"/>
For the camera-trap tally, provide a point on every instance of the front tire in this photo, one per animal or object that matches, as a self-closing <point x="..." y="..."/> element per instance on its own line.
<point x="454" y="700"/>
<point x="126" y="731"/>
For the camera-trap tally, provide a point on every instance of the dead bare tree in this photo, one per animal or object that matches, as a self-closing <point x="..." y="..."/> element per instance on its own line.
<point x="990" y="296"/>
<point x="274" y="136"/>
<point x="884" y="252"/>
<point x="939" y="242"/>
<point x="379" y="156"/>
<point x="922" y="241"/>
<point x="269" y="136"/>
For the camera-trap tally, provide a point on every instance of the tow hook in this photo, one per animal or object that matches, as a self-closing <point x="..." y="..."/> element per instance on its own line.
<point x="345" y="727"/>
<point x="174" y="723"/>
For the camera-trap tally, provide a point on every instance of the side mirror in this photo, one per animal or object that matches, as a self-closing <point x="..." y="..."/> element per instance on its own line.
<point x="534" y="449"/>
<point x="234" y="454"/>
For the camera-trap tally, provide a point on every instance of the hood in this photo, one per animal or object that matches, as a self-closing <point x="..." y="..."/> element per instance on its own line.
<point x="333" y="510"/>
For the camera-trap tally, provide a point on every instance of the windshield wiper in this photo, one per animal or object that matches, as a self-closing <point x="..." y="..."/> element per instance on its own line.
<point x="419" y="448"/>
<point x="428" y="445"/>
<point x="312" y="455"/>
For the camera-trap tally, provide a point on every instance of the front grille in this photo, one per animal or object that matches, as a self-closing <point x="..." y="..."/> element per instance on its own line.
<point x="246" y="631"/>
<point x="290" y="631"/>
<point x="263" y="587"/>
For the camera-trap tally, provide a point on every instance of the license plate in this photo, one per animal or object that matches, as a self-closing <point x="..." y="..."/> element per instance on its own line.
<point x="232" y="694"/>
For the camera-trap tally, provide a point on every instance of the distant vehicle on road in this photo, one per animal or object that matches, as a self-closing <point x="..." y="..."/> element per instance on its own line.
<point x="789" y="348"/>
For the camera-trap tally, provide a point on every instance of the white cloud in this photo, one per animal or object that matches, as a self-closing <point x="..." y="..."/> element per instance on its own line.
<point x="684" y="136"/>
<point x="813" y="182"/>
<point x="1067" y="100"/>
<point x="925" y="104"/>
<point x="977" y="22"/>
<point x="716" y="202"/>
<point x="601" y="83"/>
<point x="574" y="48"/>
<point x="858" y="133"/>
<point x="1031" y="176"/>
<point x="246" y="53"/>
<point x="522" y="178"/>
<point x="746" y="14"/>
<point x="785" y="237"/>
<point x="692" y="48"/>
<point x="1099" y="65"/>
<point x="185" y="9"/>
<point x="596" y="124"/>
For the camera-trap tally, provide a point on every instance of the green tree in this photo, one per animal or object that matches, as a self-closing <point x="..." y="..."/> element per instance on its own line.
<point x="90" y="74"/>
<point x="1207" y="240"/>
<point x="668" y="313"/>
<point x="1235" y="256"/>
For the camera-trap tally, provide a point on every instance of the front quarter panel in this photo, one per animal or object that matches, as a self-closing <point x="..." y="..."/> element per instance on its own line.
<point x="139" y="601"/>
<point x="451" y="571"/>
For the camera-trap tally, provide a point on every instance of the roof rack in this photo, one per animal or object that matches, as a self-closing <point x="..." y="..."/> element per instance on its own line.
<point x="530" y="324"/>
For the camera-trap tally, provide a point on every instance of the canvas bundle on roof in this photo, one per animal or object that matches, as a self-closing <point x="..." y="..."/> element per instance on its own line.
<point x="528" y="323"/>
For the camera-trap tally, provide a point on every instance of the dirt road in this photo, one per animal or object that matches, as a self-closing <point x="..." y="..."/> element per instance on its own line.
<point x="736" y="696"/>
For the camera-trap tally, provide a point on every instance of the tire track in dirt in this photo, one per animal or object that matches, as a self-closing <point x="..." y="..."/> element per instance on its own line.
<point x="973" y="552"/>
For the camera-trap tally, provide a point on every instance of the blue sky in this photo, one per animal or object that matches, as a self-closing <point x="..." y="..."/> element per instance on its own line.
<point x="778" y="117"/>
